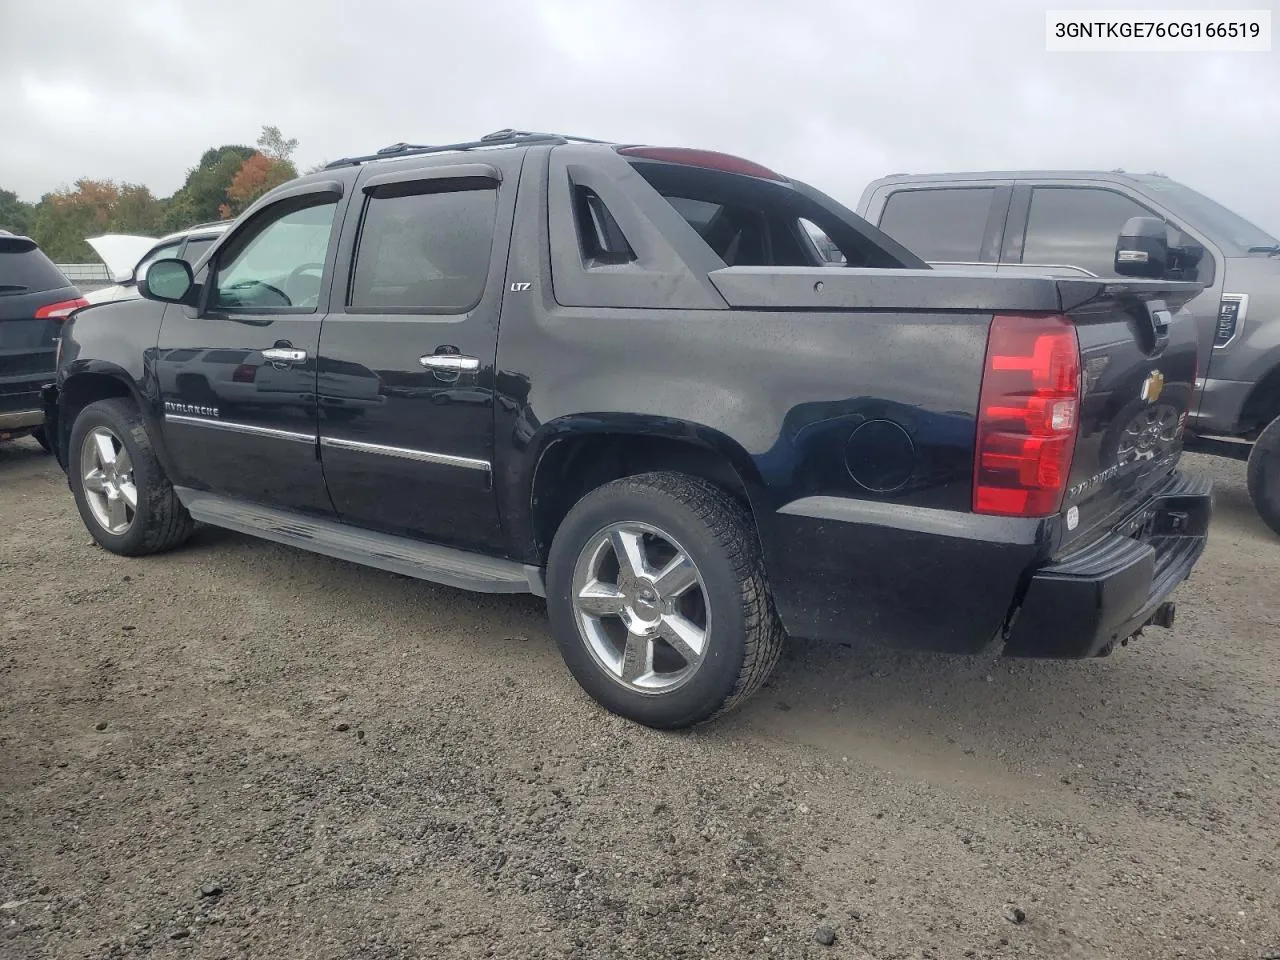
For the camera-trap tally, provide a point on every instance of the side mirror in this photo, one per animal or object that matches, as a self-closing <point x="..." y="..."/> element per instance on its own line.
<point x="169" y="281"/>
<point x="1143" y="248"/>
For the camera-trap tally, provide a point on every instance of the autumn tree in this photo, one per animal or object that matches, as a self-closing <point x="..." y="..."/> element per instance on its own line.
<point x="63" y="218"/>
<point x="258" y="174"/>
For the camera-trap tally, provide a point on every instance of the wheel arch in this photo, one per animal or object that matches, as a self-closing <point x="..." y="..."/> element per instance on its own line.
<point x="1262" y="405"/>
<point x="569" y="457"/>
<point x="102" y="381"/>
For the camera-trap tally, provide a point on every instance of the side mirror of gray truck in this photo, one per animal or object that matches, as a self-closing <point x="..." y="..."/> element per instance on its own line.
<point x="1143" y="248"/>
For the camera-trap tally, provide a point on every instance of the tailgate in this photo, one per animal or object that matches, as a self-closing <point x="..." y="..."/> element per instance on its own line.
<point x="1138" y="364"/>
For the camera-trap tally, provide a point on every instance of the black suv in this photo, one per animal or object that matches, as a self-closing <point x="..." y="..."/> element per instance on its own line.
<point x="622" y="377"/>
<point x="35" y="299"/>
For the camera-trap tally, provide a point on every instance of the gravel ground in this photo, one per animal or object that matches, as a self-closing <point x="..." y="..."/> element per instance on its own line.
<point x="239" y="750"/>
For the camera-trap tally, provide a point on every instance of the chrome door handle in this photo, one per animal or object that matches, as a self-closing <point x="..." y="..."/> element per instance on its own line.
<point x="284" y="355"/>
<point x="449" y="362"/>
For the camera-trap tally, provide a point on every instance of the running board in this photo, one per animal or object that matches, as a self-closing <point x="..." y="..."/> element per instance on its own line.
<point x="412" y="558"/>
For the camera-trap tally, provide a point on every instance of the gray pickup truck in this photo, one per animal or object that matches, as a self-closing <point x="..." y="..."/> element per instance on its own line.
<point x="1066" y="222"/>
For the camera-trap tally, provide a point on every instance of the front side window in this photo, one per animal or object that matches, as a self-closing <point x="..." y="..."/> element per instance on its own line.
<point x="1077" y="227"/>
<point x="426" y="252"/>
<point x="278" y="264"/>
<point x="945" y="225"/>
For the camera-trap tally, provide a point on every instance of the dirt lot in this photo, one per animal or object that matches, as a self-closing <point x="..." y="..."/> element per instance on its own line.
<point x="239" y="750"/>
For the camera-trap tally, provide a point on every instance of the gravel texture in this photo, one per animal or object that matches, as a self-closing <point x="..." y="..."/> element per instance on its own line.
<point x="240" y="750"/>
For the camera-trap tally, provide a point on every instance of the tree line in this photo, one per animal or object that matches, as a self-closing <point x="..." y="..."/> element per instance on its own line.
<point x="222" y="185"/>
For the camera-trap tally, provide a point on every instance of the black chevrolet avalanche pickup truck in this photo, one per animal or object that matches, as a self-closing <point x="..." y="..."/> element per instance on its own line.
<point x="622" y="378"/>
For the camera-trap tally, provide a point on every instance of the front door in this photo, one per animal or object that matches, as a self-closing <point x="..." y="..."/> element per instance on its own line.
<point x="408" y="350"/>
<point x="237" y="374"/>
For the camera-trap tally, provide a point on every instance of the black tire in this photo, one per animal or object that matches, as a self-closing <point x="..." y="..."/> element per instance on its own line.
<point x="745" y="637"/>
<point x="1264" y="475"/>
<point x="42" y="439"/>
<point x="160" y="521"/>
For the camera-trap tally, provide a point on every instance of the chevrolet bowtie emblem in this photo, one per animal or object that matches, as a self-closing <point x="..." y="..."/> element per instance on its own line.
<point x="1152" y="386"/>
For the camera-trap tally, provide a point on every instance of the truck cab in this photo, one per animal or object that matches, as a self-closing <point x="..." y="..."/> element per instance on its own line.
<point x="1065" y="223"/>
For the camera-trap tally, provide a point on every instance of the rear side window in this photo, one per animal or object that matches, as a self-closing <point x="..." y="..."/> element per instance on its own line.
<point x="1077" y="227"/>
<point x="425" y="252"/>
<point x="940" y="226"/>
<point x="25" y="269"/>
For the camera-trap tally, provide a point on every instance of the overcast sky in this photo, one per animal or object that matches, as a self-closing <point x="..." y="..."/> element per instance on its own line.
<point x="835" y="93"/>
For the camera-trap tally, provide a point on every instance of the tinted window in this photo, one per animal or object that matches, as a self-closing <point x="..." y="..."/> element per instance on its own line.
<point x="25" y="269"/>
<point x="425" y="251"/>
<point x="196" y="248"/>
<point x="278" y="262"/>
<point x="1077" y="227"/>
<point x="945" y="225"/>
<point x="1226" y="226"/>
<point x="748" y="221"/>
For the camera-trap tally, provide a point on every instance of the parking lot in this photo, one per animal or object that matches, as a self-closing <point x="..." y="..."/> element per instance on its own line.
<point x="239" y="750"/>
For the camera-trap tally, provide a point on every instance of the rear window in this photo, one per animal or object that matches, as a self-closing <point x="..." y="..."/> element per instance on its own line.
<point x="940" y="226"/>
<point x="749" y="221"/>
<point x="24" y="269"/>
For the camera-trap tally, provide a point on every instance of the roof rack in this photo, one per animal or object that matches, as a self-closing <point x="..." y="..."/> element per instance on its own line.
<point x="507" y="137"/>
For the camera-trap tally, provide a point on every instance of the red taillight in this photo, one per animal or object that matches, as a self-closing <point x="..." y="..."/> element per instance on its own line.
<point x="710" y="159"/>
<point x="244" y="373"/>
<point x="1027" y="416"/>
<point x="61" y="310"/>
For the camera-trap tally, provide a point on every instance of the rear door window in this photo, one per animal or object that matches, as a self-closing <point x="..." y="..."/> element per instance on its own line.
<point x="1077" y="227"/>
<point x="424" y="252"/>
<point x="946" y="225"/>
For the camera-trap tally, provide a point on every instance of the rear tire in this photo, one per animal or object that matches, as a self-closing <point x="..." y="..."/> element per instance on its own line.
<point x="121" y="490"/>
<point x="669" y="651"/>
<point x="1264" y="475"/>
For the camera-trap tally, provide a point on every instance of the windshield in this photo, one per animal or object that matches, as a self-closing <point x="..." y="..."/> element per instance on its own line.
<point x="1227" y="227"/>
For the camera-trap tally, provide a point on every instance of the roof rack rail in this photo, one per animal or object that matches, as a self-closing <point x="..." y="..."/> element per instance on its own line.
<point x="507" y="136"/>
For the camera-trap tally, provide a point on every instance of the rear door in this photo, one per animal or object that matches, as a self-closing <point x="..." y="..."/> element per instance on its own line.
<point x="35" y="298"/>
<point x="951" y="224"/>
<point x="408" y="350"/>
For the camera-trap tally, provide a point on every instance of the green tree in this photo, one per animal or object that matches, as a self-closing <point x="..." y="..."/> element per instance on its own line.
<point x="205" y="190"/>
<point x="137" y="211"/>
<point x="15" y="215"/>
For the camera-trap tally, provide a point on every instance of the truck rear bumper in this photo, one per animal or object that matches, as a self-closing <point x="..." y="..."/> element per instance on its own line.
<point x="1082" y="604"/>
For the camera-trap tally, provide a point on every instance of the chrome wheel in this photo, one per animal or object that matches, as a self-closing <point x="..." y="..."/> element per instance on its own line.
<point x="107" y="476"/>
<point x="1150" y="434"/>
<point x="641" y="607"/>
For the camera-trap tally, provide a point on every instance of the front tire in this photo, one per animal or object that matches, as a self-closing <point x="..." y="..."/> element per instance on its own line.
<point x="658" y="600"/>
<point x="1264" y="475"/>
<point x="121" y="490"/>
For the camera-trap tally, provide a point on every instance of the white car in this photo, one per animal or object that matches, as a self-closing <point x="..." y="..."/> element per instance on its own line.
<point x="127" y="257"/>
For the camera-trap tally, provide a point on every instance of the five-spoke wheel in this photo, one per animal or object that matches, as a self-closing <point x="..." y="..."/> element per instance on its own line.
<point x="658" y="600"/>
<point x="107" y="477"/>
<point x="641" y="606"/>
